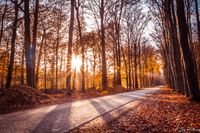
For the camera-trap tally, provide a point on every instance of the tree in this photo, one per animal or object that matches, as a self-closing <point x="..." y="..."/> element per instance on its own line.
<point x="78" y="4"/>
<point x="27" y="41"/>
<point x="69" y="53"/>
<point x="102" y="43"/>
<point x="14" y="30"/>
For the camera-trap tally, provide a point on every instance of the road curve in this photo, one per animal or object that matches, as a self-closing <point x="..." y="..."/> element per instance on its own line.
<point x="63" y="117"/>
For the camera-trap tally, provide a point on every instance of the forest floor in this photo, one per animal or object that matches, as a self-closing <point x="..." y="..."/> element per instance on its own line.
<point x="164" y="111"/>
<point x="23" y="97"/>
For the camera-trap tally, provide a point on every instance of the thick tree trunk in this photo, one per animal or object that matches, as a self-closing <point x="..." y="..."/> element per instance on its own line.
<point x="27" y="41"/>
<point x="12" y="56"/>
<point x="187" y="55"/>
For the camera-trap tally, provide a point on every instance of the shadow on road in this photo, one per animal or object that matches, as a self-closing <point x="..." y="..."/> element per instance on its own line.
<point x="55" y="121"/>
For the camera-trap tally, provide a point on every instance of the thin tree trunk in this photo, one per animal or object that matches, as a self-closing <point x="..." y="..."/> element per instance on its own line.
<point x="34" y="41"/>
<point x="22" y="72"/>
<point x="69" y="53"/>
<point x="197" y="18"/>
<point x="135" y="66"/>
<point x="102" y="42"/>
<point x="2" y="21"/>
<point x="45" y="67"/>
<point x="82" y="47"/>
<point x="38" y="63"/>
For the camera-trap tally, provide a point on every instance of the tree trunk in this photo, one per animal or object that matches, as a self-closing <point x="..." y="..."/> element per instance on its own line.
<point x="27" y="41"/>
<point x="135" y="66"/>
<point x="197" y="18"/>
<point x="38" y="62"/>
<point x="22" y="72"/>
<point x="82" y="47"/>
<point x="2" y="21"/>
<point x="34" y="41"/>
<point x="102" y="42"/>
<point x="11" y="63"/>
<point x="69" y="53"/>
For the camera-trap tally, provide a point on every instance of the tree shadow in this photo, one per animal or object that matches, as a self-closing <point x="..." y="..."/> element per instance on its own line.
<point x="58" y="120"/>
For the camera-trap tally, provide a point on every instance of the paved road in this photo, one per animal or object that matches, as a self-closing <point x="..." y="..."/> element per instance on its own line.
<point x="62" y="117"/>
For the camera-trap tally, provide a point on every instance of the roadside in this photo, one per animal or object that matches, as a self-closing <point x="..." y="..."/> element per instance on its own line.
<point x="23" y="97"/>
<point x="164" y="111"/>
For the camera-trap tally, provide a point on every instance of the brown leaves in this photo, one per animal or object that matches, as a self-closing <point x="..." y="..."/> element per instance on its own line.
<point x="19" y="97"/>
<point x="166" y="111"/>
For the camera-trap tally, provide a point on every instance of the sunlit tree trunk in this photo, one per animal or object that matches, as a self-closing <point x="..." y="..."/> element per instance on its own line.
<point x="82" y="46"/>
<point x="197" y="19"/>
<point x="34" y="40"/>
<point x="126" y="69"/>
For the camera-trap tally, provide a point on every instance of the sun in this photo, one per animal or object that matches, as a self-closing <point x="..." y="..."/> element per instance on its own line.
<point x="76" y="63"/>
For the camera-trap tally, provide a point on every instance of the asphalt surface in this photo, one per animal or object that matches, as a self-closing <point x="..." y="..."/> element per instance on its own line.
<point x="63" y="117"/>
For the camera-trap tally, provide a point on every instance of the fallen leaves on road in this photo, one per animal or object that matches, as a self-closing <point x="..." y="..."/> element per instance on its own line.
<point x="165" y="111"/>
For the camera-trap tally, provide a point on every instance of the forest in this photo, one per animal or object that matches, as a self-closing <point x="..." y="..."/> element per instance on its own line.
<point x="63" y="44"/>
<point x="66" y="49"/>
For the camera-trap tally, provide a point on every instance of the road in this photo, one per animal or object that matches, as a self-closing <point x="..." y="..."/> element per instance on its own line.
<point x="63" y="117"/>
